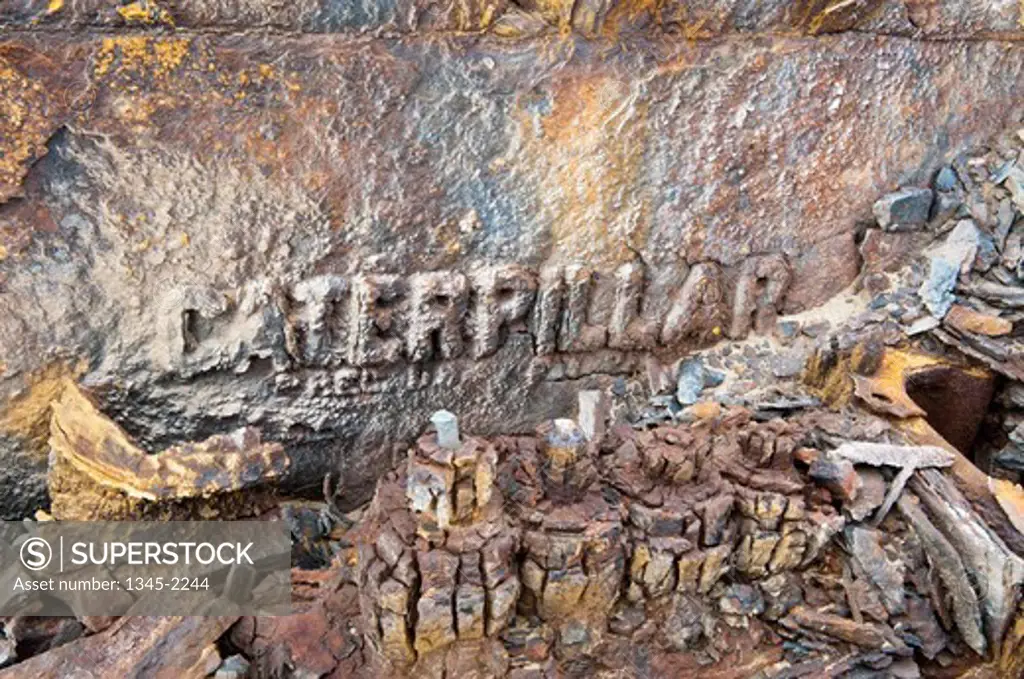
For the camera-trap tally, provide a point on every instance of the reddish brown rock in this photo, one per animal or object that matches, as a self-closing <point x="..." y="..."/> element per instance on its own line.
<point x="968" y="320"/>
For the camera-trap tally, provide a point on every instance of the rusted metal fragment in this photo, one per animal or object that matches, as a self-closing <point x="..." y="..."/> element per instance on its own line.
<point x="996" y="572"/>
<point x="884" y="454"/>
<point x="137" y="647"/>
<point x="98" y="472"/>
<point x="831" y="372"/>
<point x="907" y="458"/>
<point x="952" y="572"/>
<point x="965" y="319"/>
<point x="865" y="635"/>
<point x="988" y="352"/>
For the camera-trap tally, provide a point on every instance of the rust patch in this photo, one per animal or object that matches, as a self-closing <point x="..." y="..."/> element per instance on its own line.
<point x="590" y="173"/>
<point x="24" y="125"/>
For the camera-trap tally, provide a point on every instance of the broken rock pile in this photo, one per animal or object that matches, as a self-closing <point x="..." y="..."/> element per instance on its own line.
<point x="665" y="551"/>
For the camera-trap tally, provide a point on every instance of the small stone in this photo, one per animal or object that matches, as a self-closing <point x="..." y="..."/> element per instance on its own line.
<point x="988" y="255"/>
<point x="787" y="331"/>
<point x="815" y="330"/>
<point x="905" y="210"/>
<point x="1015" y="183"/>
<point x="389" y="547"/>
<point x="963" y="244"/>
<point x="839" y="476"/>
<point x="922" y="325"/>
<point x="690" y="382"/>
<point x="1000" y="175"/>
<point x="866" y="549"/>
<point x="946" y="179"/>
<point x="968" y="320"/>
<point x="1012" y="455"/>
<point x="741" y="599"/>
<point x="1004" y="221"/>
<point x="781" y="592"/>
<point x="1013" y="395"/>
<point x="627" y="619"/>
<point x="788" y="365"/>
<point x="705" y="410"/>
<point x="233" y="667"/>
<point x="871" y="494"/>
<point x="947" y="206"/>
<point x="937" y="290"/>
<point x="904" y="668"/>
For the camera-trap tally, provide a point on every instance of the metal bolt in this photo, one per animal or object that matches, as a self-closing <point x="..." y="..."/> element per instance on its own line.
<point x="447" y="426"/>
<point x="593" y="413"/>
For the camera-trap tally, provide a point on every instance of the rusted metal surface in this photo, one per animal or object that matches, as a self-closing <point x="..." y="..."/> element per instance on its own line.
<point x="97" y="472"/>
<point x="375" y="210"/>
<point x="510" y="18"/>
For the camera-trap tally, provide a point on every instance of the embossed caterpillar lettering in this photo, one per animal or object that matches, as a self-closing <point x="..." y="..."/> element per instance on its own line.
<point x="379" y="319"/>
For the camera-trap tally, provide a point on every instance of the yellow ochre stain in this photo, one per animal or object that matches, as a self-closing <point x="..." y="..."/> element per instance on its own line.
<point x="54" y="6"/>
<point x="144" y="12"/>
<point x="139" y="55"/>
<point x="27" y="416"/>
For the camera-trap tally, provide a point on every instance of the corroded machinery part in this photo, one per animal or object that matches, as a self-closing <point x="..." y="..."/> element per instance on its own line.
<point x="567" y="466"/>
<point x="437" y="574"/>
<point x="98" y="472"/>
<point x="894" y="382"/>
<point x="682" y="534"/>
<point x="449" y="482"/>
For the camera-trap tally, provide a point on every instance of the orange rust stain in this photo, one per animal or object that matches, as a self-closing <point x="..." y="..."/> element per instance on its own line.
<point x="625" y="13"/>
<point x="590" y="148"/>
